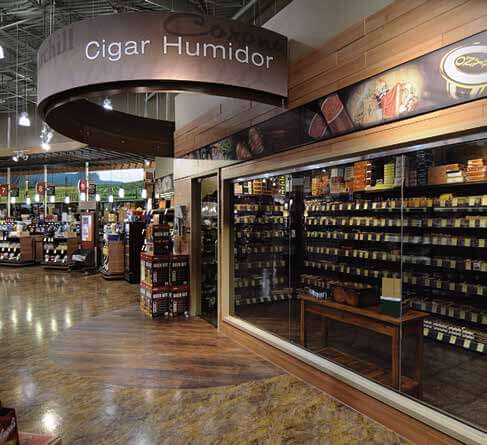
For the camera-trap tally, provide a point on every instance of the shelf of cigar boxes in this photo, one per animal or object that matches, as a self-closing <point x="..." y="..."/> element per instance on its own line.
<point x="261" y="235"/>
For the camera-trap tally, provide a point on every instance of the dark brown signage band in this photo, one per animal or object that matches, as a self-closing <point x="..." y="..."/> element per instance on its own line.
<point x="152" y="52"/>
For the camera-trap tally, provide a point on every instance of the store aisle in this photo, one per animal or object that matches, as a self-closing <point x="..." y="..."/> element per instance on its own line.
<point x="77" y="359"/>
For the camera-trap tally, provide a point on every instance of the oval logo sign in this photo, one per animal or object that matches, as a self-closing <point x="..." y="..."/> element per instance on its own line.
<point x="465" y="71"/>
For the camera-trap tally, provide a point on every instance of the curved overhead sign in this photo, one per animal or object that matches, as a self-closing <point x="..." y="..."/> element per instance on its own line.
<point x="157" y="52"/>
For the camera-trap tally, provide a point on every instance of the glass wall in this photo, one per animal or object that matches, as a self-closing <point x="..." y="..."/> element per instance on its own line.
<point x="209" y="250"/>
<point x="378" y="264"/>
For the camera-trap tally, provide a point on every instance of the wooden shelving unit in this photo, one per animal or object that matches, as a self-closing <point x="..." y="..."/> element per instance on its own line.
<point x="16" y="250"/>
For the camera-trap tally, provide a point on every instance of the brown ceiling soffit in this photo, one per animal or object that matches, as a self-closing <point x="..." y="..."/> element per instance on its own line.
<point x="145" y="52"/>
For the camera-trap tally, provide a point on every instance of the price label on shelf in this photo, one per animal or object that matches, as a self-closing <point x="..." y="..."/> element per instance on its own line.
<point x="467" y="344"/>
<point x="480" y="347"/>
<point x="453" y="340"/>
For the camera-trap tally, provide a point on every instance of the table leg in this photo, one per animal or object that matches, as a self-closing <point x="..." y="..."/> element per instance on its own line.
<point x="396" y="359"/>
<point x="418" y="368"/>
<point x="302" y="326"/>
<point x="324" y="331"/>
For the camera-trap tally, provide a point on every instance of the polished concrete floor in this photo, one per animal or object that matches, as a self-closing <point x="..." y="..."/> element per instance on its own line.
<point x="78" y="359"/>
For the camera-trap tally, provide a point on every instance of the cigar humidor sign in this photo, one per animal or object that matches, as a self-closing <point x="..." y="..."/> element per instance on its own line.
<point x="145" y="52"/>
<point x="449" y="76"/>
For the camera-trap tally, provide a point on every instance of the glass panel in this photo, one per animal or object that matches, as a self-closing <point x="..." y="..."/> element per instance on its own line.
<point x="262" y="234"/>
<point x="384" y="268"/>
<point x="209" y="257"/>
<point x="445" y="276"/>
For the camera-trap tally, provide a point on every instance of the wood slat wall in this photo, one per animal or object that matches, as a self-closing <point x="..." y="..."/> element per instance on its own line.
<point x="396" y="34"/>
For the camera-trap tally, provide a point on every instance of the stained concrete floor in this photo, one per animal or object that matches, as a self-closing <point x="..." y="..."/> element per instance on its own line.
<point x="79" y="360"/>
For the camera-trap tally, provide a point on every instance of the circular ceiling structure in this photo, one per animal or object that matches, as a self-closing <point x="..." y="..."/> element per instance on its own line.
<point x="152" y="52"/>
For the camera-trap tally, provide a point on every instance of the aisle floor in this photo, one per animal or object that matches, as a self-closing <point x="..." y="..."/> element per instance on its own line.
<point x="78" y="359"/>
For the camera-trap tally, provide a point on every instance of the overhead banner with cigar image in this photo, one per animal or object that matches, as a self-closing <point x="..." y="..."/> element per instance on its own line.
<point x="449" y="76"/>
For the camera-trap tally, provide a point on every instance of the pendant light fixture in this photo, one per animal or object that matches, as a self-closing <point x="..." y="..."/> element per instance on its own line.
<point x="24" y="119"/>
<point x="107" y="104"/>
<point x="46" y="136"/>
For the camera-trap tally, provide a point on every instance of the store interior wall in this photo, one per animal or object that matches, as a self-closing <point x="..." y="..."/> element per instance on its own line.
<point x="307" y="24"/>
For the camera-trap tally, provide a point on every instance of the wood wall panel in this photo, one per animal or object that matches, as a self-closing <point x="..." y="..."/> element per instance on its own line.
<point x="396" y="34"/>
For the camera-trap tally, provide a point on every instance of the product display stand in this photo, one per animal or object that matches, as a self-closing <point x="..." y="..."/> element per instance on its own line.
<point x="134" y="240"/>
<point x="112" y="267"/>
<point x="16" y="249"/>
<point x="58" y="251"/>
<point x="164" y="285"/>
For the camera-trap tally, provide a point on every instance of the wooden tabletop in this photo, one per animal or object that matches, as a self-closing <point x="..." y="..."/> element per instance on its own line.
<point x="369" y="312"/>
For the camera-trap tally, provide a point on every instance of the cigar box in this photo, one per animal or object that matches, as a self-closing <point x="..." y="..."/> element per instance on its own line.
<point x="354" y="294"/>
<point x="391" y="297"/>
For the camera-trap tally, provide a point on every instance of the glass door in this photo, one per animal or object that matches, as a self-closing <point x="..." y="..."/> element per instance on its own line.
<point x="209" y="249"/>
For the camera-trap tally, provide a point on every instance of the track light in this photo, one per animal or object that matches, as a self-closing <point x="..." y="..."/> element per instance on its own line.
<point x="121" y="193"/>
<point x="2" y="52"/>
<point x="107" y="104"/>
<point x="24" y="120"/>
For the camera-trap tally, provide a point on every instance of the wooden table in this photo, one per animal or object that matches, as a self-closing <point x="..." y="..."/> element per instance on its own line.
<point x="371" y="319"/>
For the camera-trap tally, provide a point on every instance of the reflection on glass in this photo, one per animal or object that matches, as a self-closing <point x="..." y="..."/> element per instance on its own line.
<point x="379" y="265"/>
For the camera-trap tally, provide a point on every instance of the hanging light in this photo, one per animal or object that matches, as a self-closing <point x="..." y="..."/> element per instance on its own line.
<point x="24" y="120"/>
<point x="97" y="197"/>
<point x="13" y="200"/>
<point x="2" y="52"/>
<point x="143" y="193"/>
<point x="121" y="192"/>
<point x="110" y="198"/>
<point x="28" y="201"/>
<point x="52" y="199"/>
<point x="82" y="196"/>
<point x="46" y="136"/>
<point x="67" y="200"/>
<point x="107" y="104"/>
<point x="37" y="197"/>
